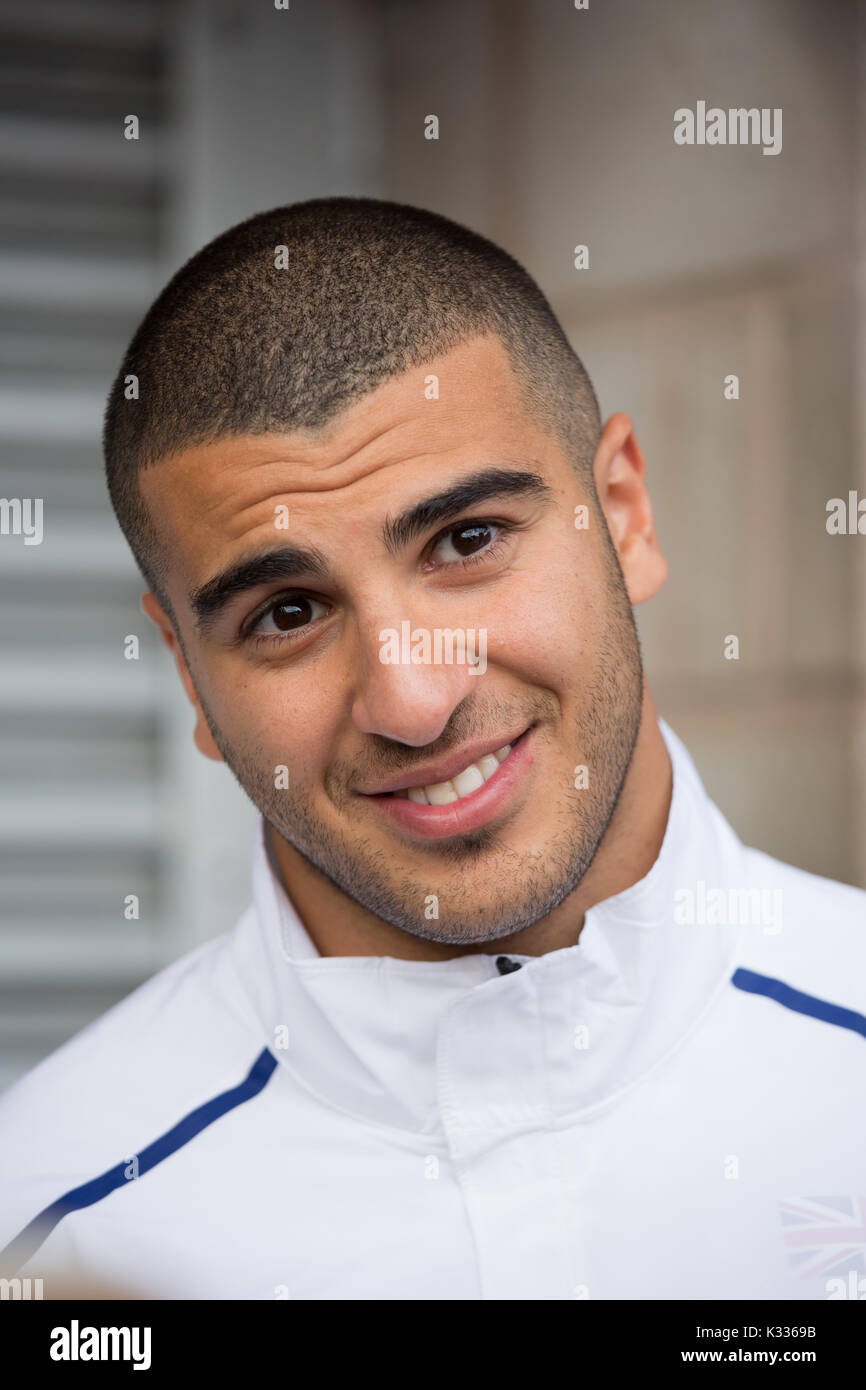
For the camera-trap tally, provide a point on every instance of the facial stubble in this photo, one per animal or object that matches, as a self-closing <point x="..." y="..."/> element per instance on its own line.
<point x="519" y="887"/>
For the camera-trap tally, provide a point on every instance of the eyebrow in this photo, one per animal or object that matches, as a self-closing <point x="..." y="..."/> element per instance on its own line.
<point x="399" y="531"/>
<point x="284" y="562"/>
<point x="291" y="562"/>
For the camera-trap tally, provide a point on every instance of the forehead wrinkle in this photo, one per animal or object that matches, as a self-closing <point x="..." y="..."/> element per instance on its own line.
<point x="288" y="495"/>
<point x="350" y="453"/>
<point x="317" y="476"/>
<point x="314" y="471"/>
<point x="366" y="435"/>
<point x="319" y="472"/>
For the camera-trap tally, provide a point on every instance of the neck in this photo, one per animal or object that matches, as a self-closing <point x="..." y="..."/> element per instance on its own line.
<point x="339" y="926"/>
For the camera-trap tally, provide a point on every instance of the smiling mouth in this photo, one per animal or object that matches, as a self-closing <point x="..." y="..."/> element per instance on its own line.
<point x="461" y="785"/>
<point x="479" y="793"/>
<point x="467" y="781"/>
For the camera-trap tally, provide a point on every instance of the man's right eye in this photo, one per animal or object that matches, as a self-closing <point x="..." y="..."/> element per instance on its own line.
<point x="284" y="616"/>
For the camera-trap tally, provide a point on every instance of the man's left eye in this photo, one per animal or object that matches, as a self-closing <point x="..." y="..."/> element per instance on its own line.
<point x="462" y="542"/>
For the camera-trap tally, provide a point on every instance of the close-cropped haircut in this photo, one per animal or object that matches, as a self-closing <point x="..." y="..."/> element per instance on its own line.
<point x="282" y="321"/>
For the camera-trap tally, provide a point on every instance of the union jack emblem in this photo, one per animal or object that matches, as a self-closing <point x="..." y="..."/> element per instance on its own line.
<point x="825" y="1235"/>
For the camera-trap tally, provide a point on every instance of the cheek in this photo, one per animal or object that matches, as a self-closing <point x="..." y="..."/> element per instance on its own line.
<point x="275" y="717"/>
<point x="544" y="624"/>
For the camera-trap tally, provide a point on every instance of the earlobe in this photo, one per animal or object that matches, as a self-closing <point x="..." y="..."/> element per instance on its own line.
<point x="203" y="738"/>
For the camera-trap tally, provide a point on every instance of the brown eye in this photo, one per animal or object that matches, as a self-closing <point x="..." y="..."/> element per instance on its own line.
<point x="464" y="541"/>
<point x="290" y="614"/>
<point x="471" y="538"/>
<point x="293" y="613"/>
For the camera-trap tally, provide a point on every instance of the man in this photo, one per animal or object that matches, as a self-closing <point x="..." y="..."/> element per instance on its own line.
<point x="513" y="1015"/>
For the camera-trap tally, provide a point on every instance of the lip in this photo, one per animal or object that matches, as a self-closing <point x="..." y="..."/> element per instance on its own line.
<point x="469" y="812"/>
<point x="428" y="774"/>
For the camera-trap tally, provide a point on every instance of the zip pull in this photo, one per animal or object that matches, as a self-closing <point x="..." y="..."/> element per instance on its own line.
<point x="505" y="966"/>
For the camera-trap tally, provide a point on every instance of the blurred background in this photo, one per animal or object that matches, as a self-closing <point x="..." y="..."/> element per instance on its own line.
<point x="556" y="129"/>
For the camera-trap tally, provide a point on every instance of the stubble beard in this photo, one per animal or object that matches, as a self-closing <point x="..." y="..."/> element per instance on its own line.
<point x="516" y="888"/>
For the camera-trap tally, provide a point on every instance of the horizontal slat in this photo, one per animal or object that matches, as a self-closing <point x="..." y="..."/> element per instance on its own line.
<point x="78" y="951"/>
<point x="60" y="283"/>
<point x="71" y="547"/>
<point x="79" y="149"/>
<point x="43" y="757"/>
<point x="74" y="491"/>
<point x="62" y="413"/>
<point x="134" y="23"/>
<point x="75" y="815"/>
<point x="100" y="228"/>
<point x="90" y="684"/>
<point x="64" y="623"/>
<point x="84" y="883"/>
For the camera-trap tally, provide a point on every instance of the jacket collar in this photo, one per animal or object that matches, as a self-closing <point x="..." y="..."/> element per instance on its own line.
<point x="419" y="1045"/>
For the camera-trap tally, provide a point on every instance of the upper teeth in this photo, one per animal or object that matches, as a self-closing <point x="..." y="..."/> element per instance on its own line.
<point x="466" y="782"/>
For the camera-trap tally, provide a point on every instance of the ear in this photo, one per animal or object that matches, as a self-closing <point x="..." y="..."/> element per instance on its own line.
<point x="619" y="470"/>
<point x="202" y="735"/>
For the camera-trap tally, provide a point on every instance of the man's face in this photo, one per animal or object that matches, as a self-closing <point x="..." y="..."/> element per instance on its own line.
<point x="300" y="665"/>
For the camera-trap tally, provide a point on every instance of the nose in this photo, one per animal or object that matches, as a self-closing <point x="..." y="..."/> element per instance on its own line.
<point x="407" y="688"/>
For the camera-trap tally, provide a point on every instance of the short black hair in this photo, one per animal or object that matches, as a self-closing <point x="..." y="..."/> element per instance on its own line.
<point x="284" y="319"/>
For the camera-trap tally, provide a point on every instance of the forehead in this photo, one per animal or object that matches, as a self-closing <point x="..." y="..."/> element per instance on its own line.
<point x="214" y="502"/>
